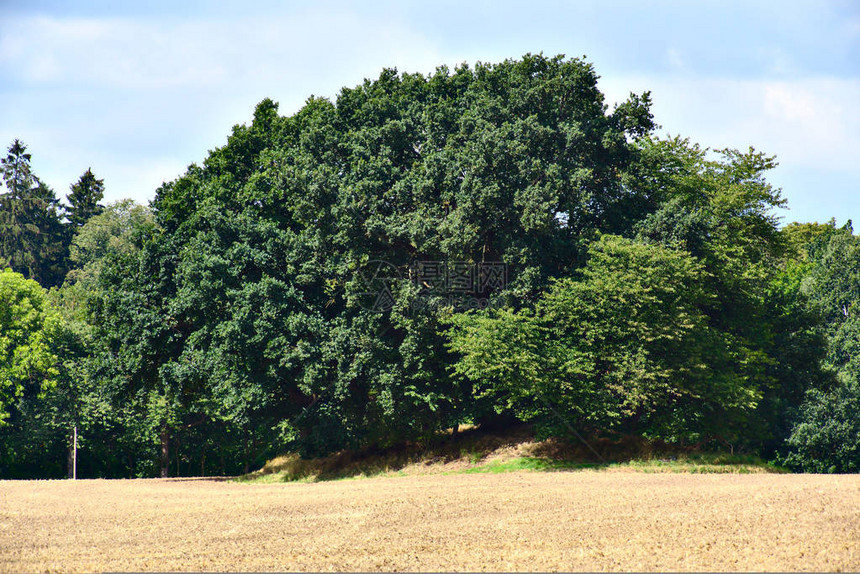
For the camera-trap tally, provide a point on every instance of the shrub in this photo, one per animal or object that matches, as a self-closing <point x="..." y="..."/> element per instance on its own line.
<point x="826" y="437"/>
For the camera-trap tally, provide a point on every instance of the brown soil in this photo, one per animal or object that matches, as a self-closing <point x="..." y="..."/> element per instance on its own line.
<point x="584" y="520"/>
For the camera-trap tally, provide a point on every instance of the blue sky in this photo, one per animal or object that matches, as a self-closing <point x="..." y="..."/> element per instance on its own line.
<point x="140" y="91"/>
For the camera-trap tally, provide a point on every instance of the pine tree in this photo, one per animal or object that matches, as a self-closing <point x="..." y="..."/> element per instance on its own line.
<point x="32" y="239"/>
<point x="84" y="199"/>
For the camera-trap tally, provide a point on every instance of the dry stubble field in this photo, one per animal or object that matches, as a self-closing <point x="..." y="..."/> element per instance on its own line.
<point x="582" y="520"/>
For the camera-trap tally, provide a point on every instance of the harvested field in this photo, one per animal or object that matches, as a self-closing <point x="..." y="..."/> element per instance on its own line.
<point x="584" y="520"/>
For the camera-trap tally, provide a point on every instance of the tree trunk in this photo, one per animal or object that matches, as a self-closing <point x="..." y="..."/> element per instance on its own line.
<point x="165" y="452"/>
<point x="176" y="447"/>
<point x="70" y="460"/>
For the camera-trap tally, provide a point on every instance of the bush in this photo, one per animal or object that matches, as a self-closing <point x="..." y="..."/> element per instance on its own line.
<point x="826" y="437"/>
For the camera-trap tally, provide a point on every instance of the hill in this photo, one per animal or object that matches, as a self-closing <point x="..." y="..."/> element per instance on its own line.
<point x="476" y="450"/>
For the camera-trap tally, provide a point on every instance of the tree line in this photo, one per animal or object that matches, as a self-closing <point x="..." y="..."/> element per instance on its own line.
<point x="650" y="292"/>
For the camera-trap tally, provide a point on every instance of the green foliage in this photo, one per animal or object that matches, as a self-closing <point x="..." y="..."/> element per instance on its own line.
<point x="720" y="347"/>
<point x="28" y="328"/>
<point x="113" y="233"/>
<point x="827" y="435"/>
<point x="798" y="344"/>
<point x="84" y="199"/>
<point x="253" y="293"/>
<point x="32" y="237"/>
<point x="40" y="426"/>
<point x="721" y="211"/>
<point x="650" y="290"/>
<point x="38" y="435"/>
<point x="834" y="278"/>
<point x="801" y="237"/>
<point x="625" y="344"/>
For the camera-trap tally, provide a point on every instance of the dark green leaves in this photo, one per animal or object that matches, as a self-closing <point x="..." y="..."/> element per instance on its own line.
<point x="32" y="238"/>
<point x="623" y="344"/>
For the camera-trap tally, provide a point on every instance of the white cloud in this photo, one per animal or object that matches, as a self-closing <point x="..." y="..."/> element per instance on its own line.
<point x="810" y="124"/>
<point x="112" y="53"/>
<point x="114" y="93"/>
<point x="805" y="122"/>
<point x="783" y="103"/>
<point x="152" y="55"/>
<point x="122" y="95"/>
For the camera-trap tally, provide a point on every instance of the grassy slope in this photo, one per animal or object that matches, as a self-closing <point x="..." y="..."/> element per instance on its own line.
<point x="478" y="451"/>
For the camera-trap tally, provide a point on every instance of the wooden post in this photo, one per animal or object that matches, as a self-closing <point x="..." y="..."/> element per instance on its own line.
<point x="75" y="454"/>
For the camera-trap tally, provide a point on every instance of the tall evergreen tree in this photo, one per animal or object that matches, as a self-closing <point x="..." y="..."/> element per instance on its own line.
<point x="31" y="233"/>
<point x="15" y="238"/>
<point x="16" y="168"/>
<point x="84" y="199"/>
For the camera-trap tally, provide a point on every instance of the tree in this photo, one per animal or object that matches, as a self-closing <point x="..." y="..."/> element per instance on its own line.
<point x="16" y="169"/>
<point x="721" y="211"/>
<point x="79" y="404"/>
<point x="834" y="277"/>
<point x="114" y="437"/>
<point x="32" y="238"/>
<point x="801" y="237"/>
<point x="18" y="236"/>
<point x="84" y="199"/>
<point x="624" y="345"/>
<point x="518" y="162"/>
<point x="826" y="437"/>
<point x="116" y="229"/>
<point x="754" y="346"/>
<point x="826" y="432"/>
<point x="27" y="328"/>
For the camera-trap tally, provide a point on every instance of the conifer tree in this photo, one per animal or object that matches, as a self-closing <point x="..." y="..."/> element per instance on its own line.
<point x="32" y="239"/>
<point x="84" y="199"/>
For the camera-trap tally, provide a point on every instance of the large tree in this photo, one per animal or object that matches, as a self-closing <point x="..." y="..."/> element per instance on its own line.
<point x="625" y="345"/>
<point x="721" y="210"/>
<point x="254" y="289"/>
<point x="32" y="238"/>
<point x="247" y="307"/>
<point x="752" y="350"/>
<point x="114" y="437"/>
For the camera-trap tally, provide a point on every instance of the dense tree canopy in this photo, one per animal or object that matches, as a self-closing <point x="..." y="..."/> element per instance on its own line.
<point x="517" y="163"/>
<point x="624" y="341"/>
<point x="426" y="251"/>
<point x="826" y="436"/>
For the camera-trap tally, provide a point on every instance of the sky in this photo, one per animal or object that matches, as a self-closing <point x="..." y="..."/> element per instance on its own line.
<point x="138" y="91"/>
